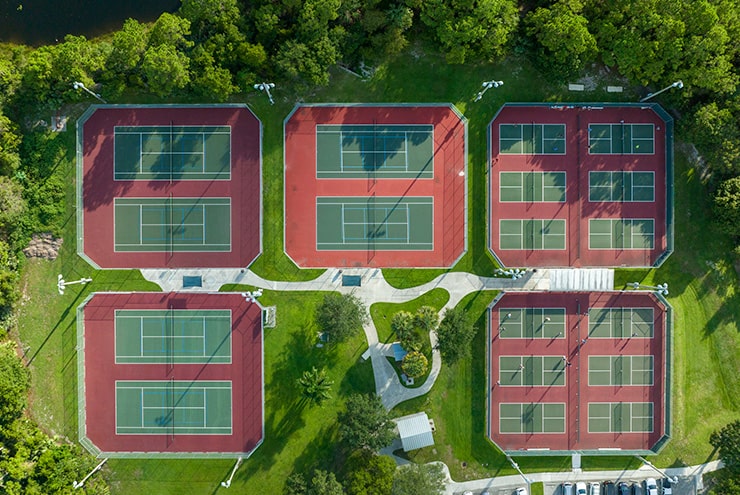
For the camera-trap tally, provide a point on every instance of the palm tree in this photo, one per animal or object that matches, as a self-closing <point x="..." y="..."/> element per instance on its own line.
<point x="315" y="385"/>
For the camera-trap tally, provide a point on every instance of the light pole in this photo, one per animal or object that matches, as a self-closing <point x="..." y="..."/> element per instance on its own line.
<point x="678" y="84"/>
<point x="251" y="296"/>
<point x="661" y="289"/>
<point x="673" y="479"/>
<point x="79" y="85"/>
<point x="227" y="483"/>
<point x="78" y="484"/>
<point x="486" y="86"/>
<point x="266" y="87"/>
<point x="61" y="283"/>
<point x="516" y="466"/>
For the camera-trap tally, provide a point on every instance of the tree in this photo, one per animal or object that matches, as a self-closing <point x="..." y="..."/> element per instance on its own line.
<point x="471" y="29"/>
<point x="727" y="206"/>
<point x="296" y="484"/>
<point x="365" y="424"/>
<point x="426" y="318"/>
<point x="727" y="442"/>
<point x="15" y="381"/>
<point x="208" y="78"/>
<point x="566" y="45"/>
<point x="454" y="335"/>
<point x="170" y="30"/>
<point x="369" y="473"/>
<point x="403" y="325"/>
<point x="716" y="132"/>
<point x="12" y="204"/>
<point x="414" y="364"/>
<point x="165" y="69"/>
<point x="418" y="478"/>
<point x="324" y="483"/>
<point x="128" y="47"/>
<point x="340" y="316"/>
<point x="315" y="385"/>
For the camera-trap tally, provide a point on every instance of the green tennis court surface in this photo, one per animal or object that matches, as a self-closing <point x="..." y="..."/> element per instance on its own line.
<point x="620" y="323"/>
<point x="532" y="139"/>
<point x="531" y="418"/>
<point x="380" y="151"/>
<point x="532" y="187"/>
<point x="532" y="234"/>
<point x="620" y="417"/>
<point x="173" y="336"/>
<point x="620" y="370"/>
<point x="173" y="407"/>
<point x="531" y="323"/>
<point x="621" y="186"/>
<point x="531" y="371"/>
<point x="172" y="224"/>
<point x="172" y="152"/>
<point x="621" y="233"/>
<point x="628" y="139"/>
<point x="374" y="223"/>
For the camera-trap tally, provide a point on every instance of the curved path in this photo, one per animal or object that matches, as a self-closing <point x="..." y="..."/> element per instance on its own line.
<point x="374" y="289"/>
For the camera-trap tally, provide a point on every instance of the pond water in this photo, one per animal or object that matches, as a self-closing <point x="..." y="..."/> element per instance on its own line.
<point x="40" y="22"/>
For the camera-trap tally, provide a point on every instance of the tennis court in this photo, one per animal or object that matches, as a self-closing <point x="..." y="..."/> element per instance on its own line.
<point x="531" y="371"/>
<point x="381" y="151"/>
<point x="621" y="233"/>
<point x="621" y="186"/>
<point x="146" y="407"/>
<point x="172" y="153"/>
<point x="532" y="187"/>
<point x="520" y="417"/>
<point x="620" y="417"/>
<point x="532" y="234"/>
<point x="532" y="139"/>
<point x="172" y="224"/>
<point x="621" y="138"/>
<point x="173" y="336"/>
<point x="376" y="223"/>
<point x="620" y="370"/>
<point x="531" y="323"/>
<point x="620" y="323"/>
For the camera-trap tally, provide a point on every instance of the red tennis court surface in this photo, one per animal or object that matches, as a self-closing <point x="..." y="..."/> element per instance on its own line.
<point x="237" y="187"/>
<point x="578" y="372"/>
<point x="351" y="238"/>
<point x="101" y="405"/>
<point x="590" y="188"/>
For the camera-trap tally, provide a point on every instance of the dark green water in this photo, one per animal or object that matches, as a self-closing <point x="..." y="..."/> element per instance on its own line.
<point x="40" y="22"/>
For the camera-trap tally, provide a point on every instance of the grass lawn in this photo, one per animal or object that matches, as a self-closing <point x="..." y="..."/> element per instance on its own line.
<point x="703" y="290"/>
<point x="298" y="436"/>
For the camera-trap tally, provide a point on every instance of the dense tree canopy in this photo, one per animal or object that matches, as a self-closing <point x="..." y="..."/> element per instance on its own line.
<point x="455" y="335"/>
<point x="413" y="479"/>
<point x="369" y="473"/>
<point x="340" y="316"/>
<point x="365" y="424"/>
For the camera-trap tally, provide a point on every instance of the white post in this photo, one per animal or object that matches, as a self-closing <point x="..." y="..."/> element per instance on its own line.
<point x="227" y="483"/>
<point x="486" y="86"/>
<point x="79" y="85"/>
<point x="78" y="484"/>
<point x="673" y="479"/>
<point x="266" y="88"/>
<point x="678" y="84"/>
<point x="61" y="283"/>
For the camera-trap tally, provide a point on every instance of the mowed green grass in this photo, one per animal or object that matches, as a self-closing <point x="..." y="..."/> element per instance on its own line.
<point x="298" y="436"/>
<point x="703" y="287"/>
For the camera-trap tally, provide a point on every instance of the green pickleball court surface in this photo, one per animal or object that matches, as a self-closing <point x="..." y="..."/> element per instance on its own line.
<point x="172" y="224"/>
<point x="173" y="336"/>
<point x="377" y="151"/>
<point x="173" y="407"/>
<point x="172" y="153"/>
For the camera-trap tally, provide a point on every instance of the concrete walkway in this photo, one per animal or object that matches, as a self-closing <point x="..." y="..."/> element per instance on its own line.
<point x="373" y="289"/>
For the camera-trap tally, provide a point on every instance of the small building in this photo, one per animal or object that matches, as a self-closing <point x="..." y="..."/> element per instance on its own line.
<point x="415" y="431"/>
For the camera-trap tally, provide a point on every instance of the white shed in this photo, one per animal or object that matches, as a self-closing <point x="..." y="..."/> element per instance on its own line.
<point x="415" y="431"/>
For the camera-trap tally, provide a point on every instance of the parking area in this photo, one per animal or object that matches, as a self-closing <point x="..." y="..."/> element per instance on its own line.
<point x="685" y="486"/>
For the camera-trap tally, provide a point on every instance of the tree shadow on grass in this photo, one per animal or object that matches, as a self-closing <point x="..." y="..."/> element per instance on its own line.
<point x="358" y="379"/>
